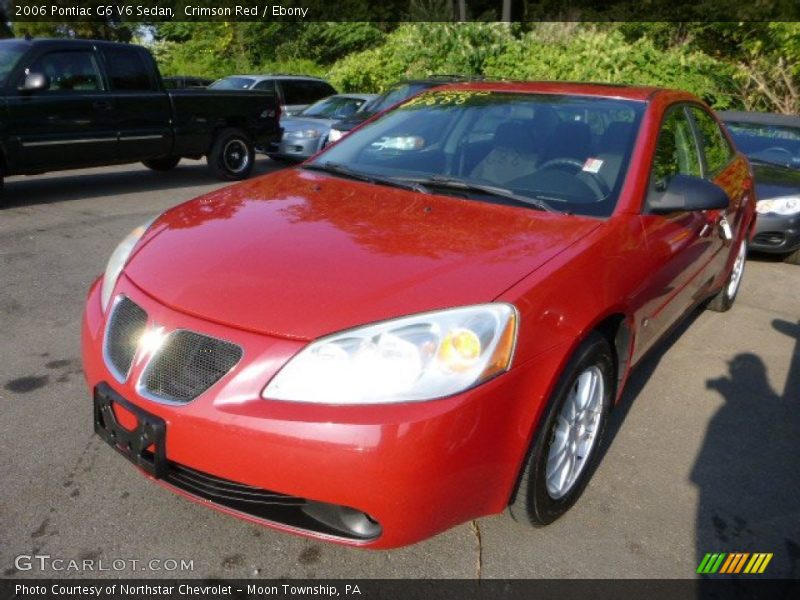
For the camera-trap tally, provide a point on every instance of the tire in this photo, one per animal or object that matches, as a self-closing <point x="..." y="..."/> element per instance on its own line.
<point x="725" y="298"/>
<point x="792" y="259"/>
<point x="166" y="163"/>
<point x="232" y="155"/>
<point x="544" y="494"/>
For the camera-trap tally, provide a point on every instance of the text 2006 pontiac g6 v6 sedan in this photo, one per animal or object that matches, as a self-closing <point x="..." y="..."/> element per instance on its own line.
<point x="426" y="323"/>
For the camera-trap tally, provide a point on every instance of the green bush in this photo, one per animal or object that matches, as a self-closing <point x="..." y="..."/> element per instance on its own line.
<point x="605" y="56"/>
<point x="421" y="49"/>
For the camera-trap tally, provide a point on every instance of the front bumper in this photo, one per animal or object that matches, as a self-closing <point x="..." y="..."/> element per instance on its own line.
<point x="416" y="468"/>
<point x="776" y="234"/>
<point x="299" y="149"/>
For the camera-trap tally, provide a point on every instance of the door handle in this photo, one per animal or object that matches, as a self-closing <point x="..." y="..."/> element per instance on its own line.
<point x="102" y="105"/>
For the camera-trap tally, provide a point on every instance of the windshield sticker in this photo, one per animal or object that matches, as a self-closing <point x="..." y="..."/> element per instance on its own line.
<point x="444" y="98"/>
<point x="592" y="165"/>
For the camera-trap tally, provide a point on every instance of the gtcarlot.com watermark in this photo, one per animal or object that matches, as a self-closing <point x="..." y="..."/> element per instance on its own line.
<point x="46" y="562"/>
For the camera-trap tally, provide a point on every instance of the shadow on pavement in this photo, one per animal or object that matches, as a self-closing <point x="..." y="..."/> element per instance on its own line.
<point x="74" y="185"/>
<point x="748" y="469"/>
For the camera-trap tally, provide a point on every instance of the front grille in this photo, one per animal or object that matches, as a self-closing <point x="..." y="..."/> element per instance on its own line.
<point x="769" y="238"/>
<point x="125" y="327"/>
<point x="187" y="365"/>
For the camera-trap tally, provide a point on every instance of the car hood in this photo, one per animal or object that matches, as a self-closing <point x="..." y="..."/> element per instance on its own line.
<point x="300" y="254"/>
<point x="774" y="181"/>
<point x="296" y="123"/>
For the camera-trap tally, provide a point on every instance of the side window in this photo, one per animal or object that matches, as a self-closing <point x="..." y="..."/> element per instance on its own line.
<point x="676" y="151"/>
<point x="716" y="149"/>
<point x="68" y="71"/>
<point x="268" y="85"/>
<point x="127" y="70"/>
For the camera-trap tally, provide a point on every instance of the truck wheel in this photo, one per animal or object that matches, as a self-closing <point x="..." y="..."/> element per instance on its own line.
<point x="232" y="155"/>
<point x="166" y="163"/>
<point x="792" y="259"/>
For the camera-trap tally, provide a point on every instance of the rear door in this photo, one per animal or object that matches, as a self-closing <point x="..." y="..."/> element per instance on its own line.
<point x="70" y="122"/>
<point x="141" y="108"/>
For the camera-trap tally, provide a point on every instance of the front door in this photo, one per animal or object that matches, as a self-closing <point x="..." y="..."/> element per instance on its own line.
<point x="680" y="245"/>
<point x="70" y="122"/>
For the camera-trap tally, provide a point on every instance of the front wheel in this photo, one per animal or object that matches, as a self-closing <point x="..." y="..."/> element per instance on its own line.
<point x="564" y="452"/>
<point x="232" y="155"/>
<point x="725" y="298"/>
<point x="166" y="163"/>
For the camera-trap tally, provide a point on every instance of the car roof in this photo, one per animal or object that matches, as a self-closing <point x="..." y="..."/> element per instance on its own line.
<point x="604" y="90"/>
<point x="759" y="118"/>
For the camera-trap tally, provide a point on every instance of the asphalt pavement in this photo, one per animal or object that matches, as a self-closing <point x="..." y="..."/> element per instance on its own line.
<point x="703" y="456"/>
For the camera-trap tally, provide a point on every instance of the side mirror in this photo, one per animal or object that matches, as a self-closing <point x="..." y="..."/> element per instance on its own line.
<point x="35" y="82"/>
<point x="686" y="192"/>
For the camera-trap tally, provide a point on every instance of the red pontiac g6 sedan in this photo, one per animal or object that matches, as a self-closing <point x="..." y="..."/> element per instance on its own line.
<point x="425" y="323"/>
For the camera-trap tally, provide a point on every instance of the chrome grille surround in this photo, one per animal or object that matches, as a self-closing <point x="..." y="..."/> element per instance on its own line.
<point x="125" y="325"/>
<point x="186" y="365"/>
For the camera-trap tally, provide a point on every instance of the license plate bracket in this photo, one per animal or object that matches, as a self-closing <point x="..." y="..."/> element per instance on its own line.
<point x="134" y="444"/>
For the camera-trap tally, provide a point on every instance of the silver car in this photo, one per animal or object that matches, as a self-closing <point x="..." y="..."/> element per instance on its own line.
<point x="306" y="133"/>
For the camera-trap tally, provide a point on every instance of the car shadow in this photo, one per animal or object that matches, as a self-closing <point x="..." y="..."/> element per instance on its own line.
<point x="75" y="185"/>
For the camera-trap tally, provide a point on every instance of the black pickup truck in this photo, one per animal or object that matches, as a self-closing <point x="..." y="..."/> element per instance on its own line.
<point x="67" y="104"/>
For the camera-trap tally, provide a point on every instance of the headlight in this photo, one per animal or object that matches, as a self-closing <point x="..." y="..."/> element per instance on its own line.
<point x="415" y="358"/>
<point x="335" y="135"/>
<point x="303" y="134"/>
<point x="117" y="261"/>
<point x="786" y="205"/>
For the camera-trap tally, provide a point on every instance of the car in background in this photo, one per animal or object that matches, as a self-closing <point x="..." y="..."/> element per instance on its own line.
<point x="772" y="143"/>
<point x="427" y="322"/>
<point x="306" y="133"/>
<point x="396" y="93"/>
<point x="183" y="82"/>
<point x="295" y="92"/>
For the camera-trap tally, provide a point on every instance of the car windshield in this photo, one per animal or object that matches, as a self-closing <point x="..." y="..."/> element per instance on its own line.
<point x="233" y="83"/>
<point x="567" y="153"/>
<point x="334" y="107"/>
<point x="776" y="144"/>
<point x="10" y="53"/>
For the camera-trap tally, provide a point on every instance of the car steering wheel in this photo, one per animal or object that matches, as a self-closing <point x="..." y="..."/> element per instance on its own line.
<point x="600" y="187"/>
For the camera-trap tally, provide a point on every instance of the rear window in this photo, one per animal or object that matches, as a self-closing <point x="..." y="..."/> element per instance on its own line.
<point x="300" y="91"/>
<point x="127" y="70"/>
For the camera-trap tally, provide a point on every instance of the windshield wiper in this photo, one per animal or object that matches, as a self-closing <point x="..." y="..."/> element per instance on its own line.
<point x="343" y="171"/>
<point x="454" y="183"/>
